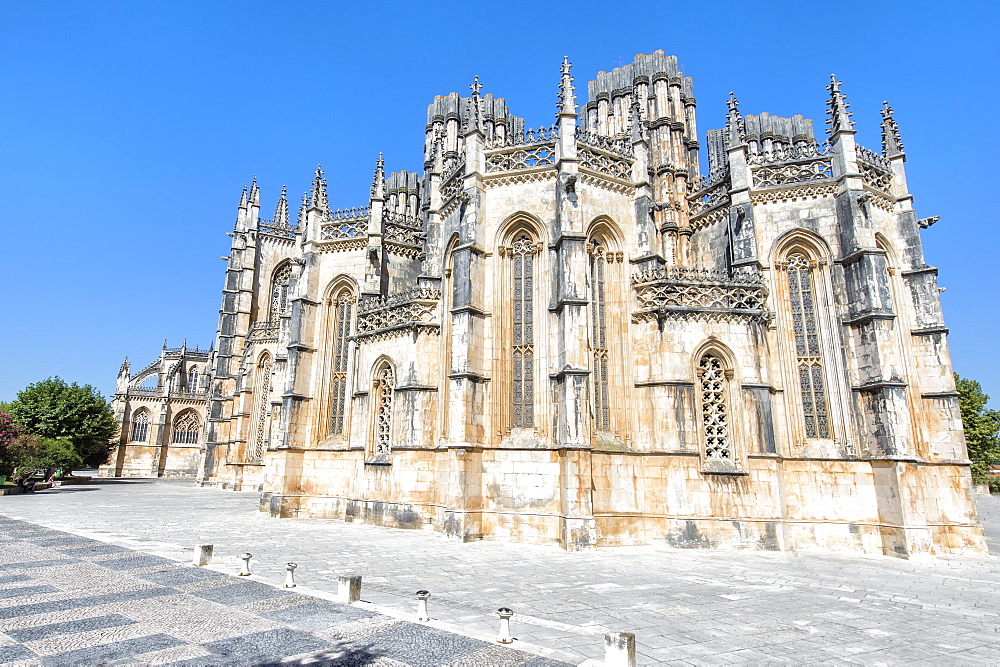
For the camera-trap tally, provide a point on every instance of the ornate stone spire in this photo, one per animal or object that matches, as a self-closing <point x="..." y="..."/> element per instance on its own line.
<point x="254" y="192"/>
<point x="124" y="370"/>
<point x="892" y="144"/>
<point x="243" y="197"/>
<point x="839" y="118"/>
<point x="567" y="92"/>
<point x="317" y="197"/>
<point x="473" y="112"/>
<point x="635" y="121"/>
<point x="281" y="210"/>
<point x="378" y="184"/>
<point x="735" y="129"/>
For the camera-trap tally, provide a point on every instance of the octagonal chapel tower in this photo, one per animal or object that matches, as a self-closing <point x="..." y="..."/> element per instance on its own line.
<point x="568" y="335"/>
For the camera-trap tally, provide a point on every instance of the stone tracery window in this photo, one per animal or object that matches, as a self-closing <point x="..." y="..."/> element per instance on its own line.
<point x="279" y="291"/>
<point x="341" y="310"/>
<point x="599" y="337"/>
<point x="383" y="385"/>
<point x="186" y="428"/>
<point x="140" y="426"/>
<point x="808" y="353"/>
<point x="262" y="391"/>
<point x="523" y="348"/>
<point x="715" y="408"/>
<point x="192" y="383"/>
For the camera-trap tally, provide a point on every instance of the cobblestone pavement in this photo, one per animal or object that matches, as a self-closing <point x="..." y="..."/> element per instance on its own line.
<point x="685" y="606"/>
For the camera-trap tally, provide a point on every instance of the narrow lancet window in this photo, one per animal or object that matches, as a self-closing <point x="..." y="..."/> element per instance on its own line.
<point x="384" y="384"/>
<point x="599" y="337"/>
<point x="140" y="426"/>
<point x="186" y="428"/>
<point x="714" y="408"/>
<point x="807" y="346"/>
<point x="262" y="391"/>
<point x="342" y="307"/>
<point x="279" y="291"/>
<point x="523" y="352"/>
<point x="192" y="383"/>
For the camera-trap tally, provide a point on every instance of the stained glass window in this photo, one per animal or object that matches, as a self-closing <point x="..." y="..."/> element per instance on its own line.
<point x="523" y="352"/>
<point x="262" y="391"/>
<point x="342" y="308"/>
<point x="140" y="426"/>
<point x="599" y="337"/>
<point x="186" y="428"/>
<point x="279" y="291"/>
<point x="807" y="346"/>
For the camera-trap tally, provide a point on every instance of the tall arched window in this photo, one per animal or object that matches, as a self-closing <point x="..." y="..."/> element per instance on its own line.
<point x="192" y="383"/>
<point x="599" y="336"/>
<point x="808" y="353"/>
<point x="716" y="426"/>
<point x="186" y="428"/>
<point x="140" y="426"/>
<point x="341" y="310"/>
<point x="523" y="348"/>
<point x="279" y="291"/>
<point x="261" y="410"/>
<point x="383" y="385"/>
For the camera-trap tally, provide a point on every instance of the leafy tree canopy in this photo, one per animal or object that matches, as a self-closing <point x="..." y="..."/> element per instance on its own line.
<point x="982" y="430"/>
<point x="55" y="410"/>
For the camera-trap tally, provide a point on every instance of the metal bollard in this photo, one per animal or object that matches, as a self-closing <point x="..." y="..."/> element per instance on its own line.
<point x="245" y="570"/>
<point x="422" y="616"/>
<point x="202" y="555"/>
<point x="349" y="588"/>
<point x="503" y="637"/>
<point x="290" y="575"/>
<point x="619" y="649"/>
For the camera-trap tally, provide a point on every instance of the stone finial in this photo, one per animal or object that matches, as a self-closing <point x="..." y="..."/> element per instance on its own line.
<point x="281" y="210"/>
<point x="243" y="197"/>
<point x="892" y="144"/>
<point x="254" y="192"/>
<point x="473" y="112"/>
<point x="567" y="92"/>
<point x="476" y="87"/>
<point x="735" y="129"/>
<point x="635" y="121"/>
<point x="125" y="368"/>
<point x="839" y="118"/>
<point x="378" y="183"/>
<point x="317" y="197"/>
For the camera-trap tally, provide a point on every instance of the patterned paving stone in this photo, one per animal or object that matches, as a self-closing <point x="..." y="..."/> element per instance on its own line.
<point x="14" y="653"/>
<point x="240" y="593"/>
<point x="89" y="601"/>
<point x="128" y="648"/>
<point x="95" y="550"/>
<point x="318" y="615"/>
<point x="27" y="590"/>
<point x="68" y="627"/>
<point x="180" y="576"/>
<point x="133" y="562"/>
<point x="269" y="646"/>
<point x="13" y="578"/>
<point x="419" y="644"/>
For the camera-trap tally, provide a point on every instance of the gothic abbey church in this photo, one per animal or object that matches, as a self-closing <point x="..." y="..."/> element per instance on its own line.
<point x="570" y="336"/>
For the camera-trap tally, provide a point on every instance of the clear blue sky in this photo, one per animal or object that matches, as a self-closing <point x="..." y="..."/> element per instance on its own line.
<point x="129" y="128"/>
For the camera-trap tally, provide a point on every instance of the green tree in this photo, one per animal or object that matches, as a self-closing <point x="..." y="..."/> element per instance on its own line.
<point x="54" y="410"/>
<point x="982" y="430"/>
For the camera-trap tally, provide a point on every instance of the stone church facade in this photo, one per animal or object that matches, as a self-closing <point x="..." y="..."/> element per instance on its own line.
<point x="570" y="336"/>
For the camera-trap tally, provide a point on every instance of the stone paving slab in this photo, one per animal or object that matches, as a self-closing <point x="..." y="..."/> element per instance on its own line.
<point x="71" y="620"/>
<point x="685" y="606"/>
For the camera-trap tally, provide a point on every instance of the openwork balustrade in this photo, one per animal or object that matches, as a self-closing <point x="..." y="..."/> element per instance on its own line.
<point x="803" y="171"/>
<point x="521" y="157"/>
<point x="345" y="223"/>
<point x="266" y="226"/>
<point x="618" y="145"/>
<point x="403" y="229"/>
<point x="786" y="153"/>
<point x="876" y="170"/>
<point x="713" y="195"/>
<point x="605" y="162"/>
<point x="413" y="307"/>
<point x="529" y="136"/>
<point x="692" y="293"/>
<point x="451" y="178"/>
<point x="263" y="331"/>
